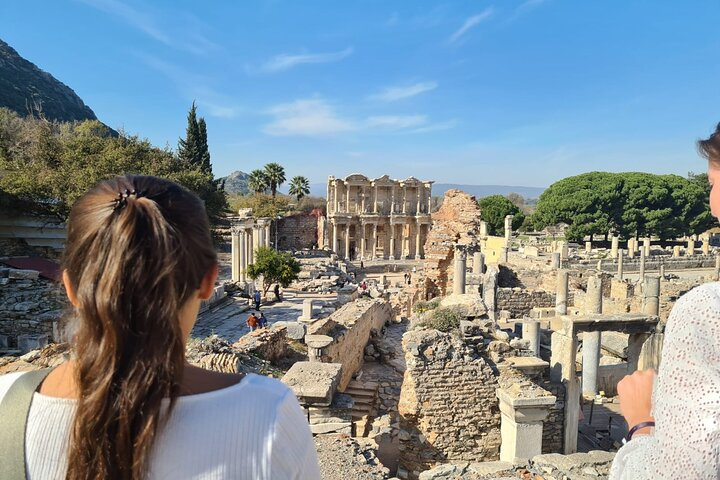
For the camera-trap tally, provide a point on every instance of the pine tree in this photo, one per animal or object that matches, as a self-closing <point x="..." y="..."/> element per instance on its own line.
<point x="189" y="147"/>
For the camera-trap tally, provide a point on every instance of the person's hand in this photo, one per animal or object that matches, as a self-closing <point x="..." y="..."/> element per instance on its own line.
<point x="635" y="392"/>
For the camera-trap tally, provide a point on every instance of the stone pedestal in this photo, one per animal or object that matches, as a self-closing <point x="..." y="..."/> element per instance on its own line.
<point x="631" y="248"/>
<point x="555" y="263"/>
<point x="508" y="227"/>
<point x="646" y="246"/>
<point x="478" y="263"/>
<point x="676" y="251"/>
<point x="588" y="247"/>
<point x="651" y="295"/>
<point x="459" y="273"/>
<point x="706" y="247"/>
<point x="614" y="247"/>
<point x="690" y="248"/>
<point x="521" y="423"/>
<point x="483" y="229"/>
<point x="307" y="312"/>
<point x="642" y="264"/>
<point x="561" y="293"/>
<point x="620" y="264"/>
<point x="591" y="340"/>
<point x="531" y="332"/>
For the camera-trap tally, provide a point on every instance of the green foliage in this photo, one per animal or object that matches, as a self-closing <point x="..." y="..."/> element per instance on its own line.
<point x="444" y="319"/>
<point x="46" y="166"/>
<point x="262" y="205"/>
<point x="422" y="307"/>
<point x="299" y="187"/>
<point x="631" y="204"/>
<point x="494" y="209"/>
<point x="308" y="204"/>
<point x="258" y="181"/>
<point x="275" y="174"/>
<point x="274" y="267"/>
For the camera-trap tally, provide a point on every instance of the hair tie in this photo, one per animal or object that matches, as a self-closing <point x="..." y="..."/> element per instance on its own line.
<point x="122" y="196"/>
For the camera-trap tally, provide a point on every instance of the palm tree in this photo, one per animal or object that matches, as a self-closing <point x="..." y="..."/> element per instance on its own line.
<point x="258" y="181"/>
<point x="299" y="186"/>
<point x="275" y="174"/>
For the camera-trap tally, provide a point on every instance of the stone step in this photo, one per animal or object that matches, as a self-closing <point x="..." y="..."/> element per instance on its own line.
<point x="359" y="394"/>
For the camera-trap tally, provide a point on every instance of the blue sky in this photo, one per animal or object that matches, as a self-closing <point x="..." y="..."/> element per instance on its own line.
<point x="507" y="92"/>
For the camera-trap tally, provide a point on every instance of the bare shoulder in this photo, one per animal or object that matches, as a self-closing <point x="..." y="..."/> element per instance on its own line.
<point x="198" y="380"/>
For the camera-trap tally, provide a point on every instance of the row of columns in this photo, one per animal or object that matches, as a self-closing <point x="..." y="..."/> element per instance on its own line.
<point x="367" y="249"/>
<point x="422" y="199"/>
<point x="245" y="240"/>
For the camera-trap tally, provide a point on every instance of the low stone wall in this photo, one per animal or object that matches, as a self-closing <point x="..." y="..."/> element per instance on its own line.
<point x="29" y="305"/>
<point x="448" y="405"/>
<point x="296" y="232"/>
<point x="342" y="337"/>
<point x="267" y="343"/>
<point x="652" y="263"/>
<point x="520" y="302"/>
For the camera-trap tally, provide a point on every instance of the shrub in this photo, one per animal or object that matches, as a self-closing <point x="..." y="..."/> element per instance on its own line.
<point x="422" y="307"/>
<point x="444" y="319"/>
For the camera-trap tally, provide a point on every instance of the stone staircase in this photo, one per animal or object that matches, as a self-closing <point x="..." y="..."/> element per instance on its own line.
<point x="365" y="396"/>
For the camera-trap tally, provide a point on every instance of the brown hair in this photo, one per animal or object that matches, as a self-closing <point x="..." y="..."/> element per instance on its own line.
<point x="133" y="261"/>
<point x="710" y="148"/>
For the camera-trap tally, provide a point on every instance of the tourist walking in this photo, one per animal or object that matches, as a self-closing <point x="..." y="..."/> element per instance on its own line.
<point x="138" y="261"/>
<point x="257" y="298"/>
<point x="262" y="321"/>
<point x="674" y="416"/>
<point x="252" y="322"/>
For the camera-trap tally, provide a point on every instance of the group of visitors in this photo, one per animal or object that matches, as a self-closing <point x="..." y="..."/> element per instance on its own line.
<point x="256" y="320"/>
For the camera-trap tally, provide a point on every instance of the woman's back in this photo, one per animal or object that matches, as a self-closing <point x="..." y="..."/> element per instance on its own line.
<point x="253" y="429"/>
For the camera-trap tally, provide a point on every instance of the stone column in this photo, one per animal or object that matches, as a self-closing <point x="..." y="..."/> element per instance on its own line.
<point x="646" y="246"/>
<point x="564" y="250"/>
<point x="419" y="201"/>
<point x="404" y="208"/>
<point x="620" y="264"/>
<point x="651" y="295"/>
<point x="418" y="239"/>
<point x="478" y="263"/>
<point x="459" y="274"/>
<point x="614" y="248"/>
<point x="373" y="247"/>
<point x="562" y="369"/>
<point x="521" y="423"/>
<point x="591" y="340"/>
<point x="362" y="199"/>
<point x="561" y="293"/>
<point x="631" y="248"/>
<point x="347" y="196"/>
<point x="375" y="210"/>
<point x="483" y="229"/>
<point x="555" y="263"/>
<point x="508" y="227"/>
<point x="690" y="247"/>
<point x="706" y="247"/>
<point x="717" y="267"/>
<point x="337" y="197"/>
<point x="267" y="236"/>
<point x="335" y="245"/>
<point x="642" y="264"/>
<point x="662" y="271"/>
<point x="249" y="237"/>
<point x="242" y="248"/>
<point x="347" y="240"/>
<point x="362" y="240"/>
<point x="531" y="333"/>
<point x="676" y="251"/>
<point x="588" y="247"/>
<point x="392" y="200"/>
<point x="392" y="241"/>
<point x="235" y="260"/>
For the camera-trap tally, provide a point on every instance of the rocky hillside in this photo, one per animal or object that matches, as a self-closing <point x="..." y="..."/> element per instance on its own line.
<point x="25" y="88"/>
<point x="236" y="182"/>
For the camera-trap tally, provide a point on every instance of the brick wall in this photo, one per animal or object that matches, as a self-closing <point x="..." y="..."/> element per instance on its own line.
<point x="298" y="231"/>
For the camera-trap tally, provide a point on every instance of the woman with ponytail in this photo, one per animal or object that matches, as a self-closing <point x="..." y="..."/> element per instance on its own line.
<point x="137" y="263"/>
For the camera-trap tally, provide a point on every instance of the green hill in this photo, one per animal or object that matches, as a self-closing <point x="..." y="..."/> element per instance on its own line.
<point x="26" y="89"/>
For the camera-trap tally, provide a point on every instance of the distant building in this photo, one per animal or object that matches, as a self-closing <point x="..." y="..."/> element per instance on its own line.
<point x="380" y="218"/>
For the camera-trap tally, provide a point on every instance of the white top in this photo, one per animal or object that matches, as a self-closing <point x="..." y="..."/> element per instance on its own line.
<point x="252" y="430"/>
<point x="686" y="398"/>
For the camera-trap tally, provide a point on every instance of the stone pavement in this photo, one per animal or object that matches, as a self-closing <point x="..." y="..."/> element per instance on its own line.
<point x="228" y="319"/>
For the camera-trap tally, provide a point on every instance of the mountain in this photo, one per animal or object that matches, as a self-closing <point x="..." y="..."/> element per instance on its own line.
<point x="236" y="182"/>
<point x="439" y="189"/>
<point x="26" y="89"/>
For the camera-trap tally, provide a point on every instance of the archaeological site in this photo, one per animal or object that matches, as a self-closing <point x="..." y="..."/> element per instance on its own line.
<point x="420" y="343"/>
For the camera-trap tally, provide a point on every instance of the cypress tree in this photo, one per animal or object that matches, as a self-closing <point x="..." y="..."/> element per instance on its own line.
<point x="203" y="150"/>
<point x="189" y="147"/>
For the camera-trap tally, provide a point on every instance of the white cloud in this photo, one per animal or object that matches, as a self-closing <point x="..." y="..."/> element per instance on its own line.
<point x="397" y="122"/>
<point x="392" y="94"/>
<point x="434" y="127"/>
<point x="306" y="117"/>
<point x="470" y="23"/>
<point x="194" y="42"/>
<point x="285" y="61"/>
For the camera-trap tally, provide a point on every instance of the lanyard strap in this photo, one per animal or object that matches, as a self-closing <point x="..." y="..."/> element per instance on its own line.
<point x="14" y="411"/>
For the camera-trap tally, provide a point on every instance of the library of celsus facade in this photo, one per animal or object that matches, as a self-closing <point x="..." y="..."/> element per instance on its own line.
<point x="379" y="218"/>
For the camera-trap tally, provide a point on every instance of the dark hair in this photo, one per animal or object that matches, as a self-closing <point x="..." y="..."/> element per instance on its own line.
<point x="133" y="261"/>
<point x="710" y="148"/>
